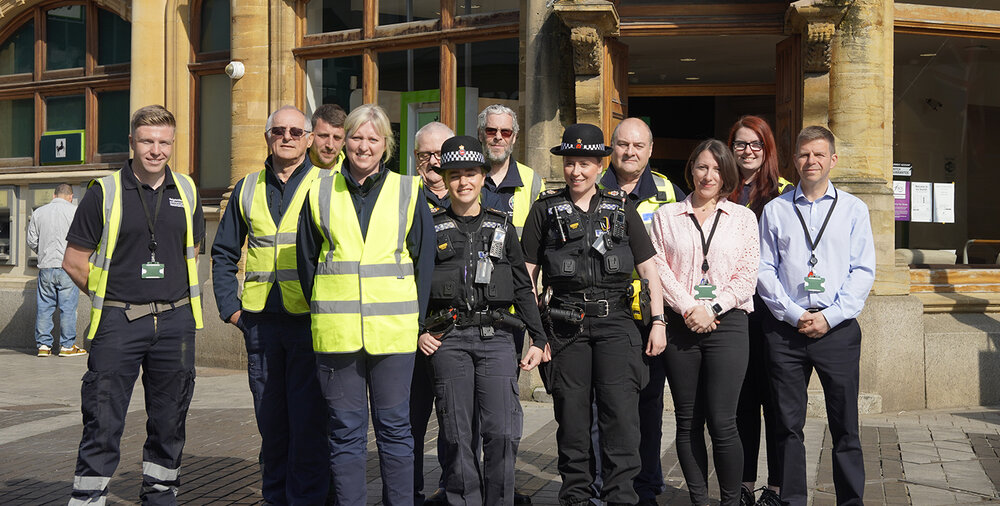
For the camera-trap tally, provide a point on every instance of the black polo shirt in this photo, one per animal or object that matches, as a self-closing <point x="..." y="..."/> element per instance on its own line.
<point x="132" y="248"/>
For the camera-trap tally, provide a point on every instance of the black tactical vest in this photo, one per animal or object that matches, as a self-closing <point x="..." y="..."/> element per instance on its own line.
<point x="585" y="252"/>
<point x="458" y="255"/>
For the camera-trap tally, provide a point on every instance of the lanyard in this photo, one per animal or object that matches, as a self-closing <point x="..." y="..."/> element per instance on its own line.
<point x="705" y="244"/>
<point x="809" y="240"/>
<point x="151" y="221"/>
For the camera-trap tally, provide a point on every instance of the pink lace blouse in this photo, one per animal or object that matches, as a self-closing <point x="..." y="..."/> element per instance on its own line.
<point x="733" y="256"/>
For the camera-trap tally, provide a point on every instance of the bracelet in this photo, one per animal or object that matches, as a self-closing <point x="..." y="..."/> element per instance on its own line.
<point x="661" y="322"/>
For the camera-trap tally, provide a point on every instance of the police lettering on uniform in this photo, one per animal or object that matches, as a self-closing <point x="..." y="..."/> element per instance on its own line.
<point x="587" y="241"/>
<point x="469" y="333"/>
<point x="427" y="151"/>
<point x="632" y="146"/>
<point x="365" y="251"/>
<point x="133" y="246"/>
<point x="272" y="313"/>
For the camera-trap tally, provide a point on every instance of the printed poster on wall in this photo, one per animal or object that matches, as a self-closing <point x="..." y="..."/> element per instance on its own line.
<point x="901" y="195"/>
<point x="944" y="202"/>
<point x="920" y="202"/>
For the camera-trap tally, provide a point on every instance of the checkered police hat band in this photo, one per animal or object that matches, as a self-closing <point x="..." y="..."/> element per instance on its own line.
<point x="585" y="147"/>
<point x="464" y="155"/>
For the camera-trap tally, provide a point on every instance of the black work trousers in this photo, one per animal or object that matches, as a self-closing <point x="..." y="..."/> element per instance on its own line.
<point x="421" y="407"/>
<point x="836" y="357"/>
<point x="705" y="372"/>
<point x="163" y="346"/>
<point x="476" y="395"/>
<point x="755" y="395"/>
<point x="603" y="360"/>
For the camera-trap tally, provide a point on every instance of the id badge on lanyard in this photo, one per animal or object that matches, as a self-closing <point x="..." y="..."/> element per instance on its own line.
<point x="705" y="290"/>
<point x="813" y="283"/>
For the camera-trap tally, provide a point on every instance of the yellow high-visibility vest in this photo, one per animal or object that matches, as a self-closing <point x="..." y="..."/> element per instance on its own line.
<point x="100" y="259"/>
<point x="664" y="195"/>
<point x="782" y="184"/>
<point x="270" y="247"/>
<point x="364" y="293"/>
<point x="525" y="195"/>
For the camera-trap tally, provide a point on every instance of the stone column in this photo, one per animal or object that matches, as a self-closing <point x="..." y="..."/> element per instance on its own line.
<point x="589" y="21"/>
<point x="148" y="84"/>
<point x="250" y="93"/>
<point x="543" y="80"/>
<point x="282" y="73"/>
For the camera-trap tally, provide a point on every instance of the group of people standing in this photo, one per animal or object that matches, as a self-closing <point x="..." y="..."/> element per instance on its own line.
<point x="368" y="293"/>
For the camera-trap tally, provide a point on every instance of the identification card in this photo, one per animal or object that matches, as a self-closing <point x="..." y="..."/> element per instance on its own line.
<point x="599" y="244"/>
<point x="704" y="291"/>
<point x="814" y="284"/>
<point x="152" y="270"/>
<point x="484" y="271"/>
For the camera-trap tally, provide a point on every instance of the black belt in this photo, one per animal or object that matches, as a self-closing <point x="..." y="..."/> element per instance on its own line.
<point x="474" y="319"/>
<point x="135" y="311"/>
<point x="595" y="305"/>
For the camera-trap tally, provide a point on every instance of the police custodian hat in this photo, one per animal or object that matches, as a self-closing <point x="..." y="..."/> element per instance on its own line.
<point x="461" y="152"/>
<point x="582" y="139"/>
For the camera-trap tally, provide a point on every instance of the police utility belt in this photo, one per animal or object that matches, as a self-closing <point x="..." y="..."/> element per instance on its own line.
<point x="135" y="311"/>
<point x="593" y="304"/>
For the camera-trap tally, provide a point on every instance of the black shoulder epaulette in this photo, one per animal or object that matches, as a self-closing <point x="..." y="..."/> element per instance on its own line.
<point x="496" y="212"/>
<point x="550" y="193"/>
<point x="615" y="194"/>
<point x="435" y="210"/>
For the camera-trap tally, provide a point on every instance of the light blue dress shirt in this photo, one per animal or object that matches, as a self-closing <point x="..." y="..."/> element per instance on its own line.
<point x="845" y="256"/>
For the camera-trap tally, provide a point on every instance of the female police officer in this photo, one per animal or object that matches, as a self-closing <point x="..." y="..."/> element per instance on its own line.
<point x="469" y="333"/>
<point x="588" y="241"/>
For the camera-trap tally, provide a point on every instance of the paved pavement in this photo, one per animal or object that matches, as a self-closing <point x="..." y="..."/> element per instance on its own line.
<point x="920" y="458"/>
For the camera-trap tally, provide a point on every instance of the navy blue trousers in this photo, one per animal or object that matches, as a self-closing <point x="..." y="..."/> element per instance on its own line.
<point x="289" y="406"/>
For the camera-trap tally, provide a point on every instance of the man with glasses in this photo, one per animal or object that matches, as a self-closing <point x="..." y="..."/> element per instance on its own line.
<point x="327" y="151"/>
<point x="428" y="141"/>
<point x="273" y="314"/>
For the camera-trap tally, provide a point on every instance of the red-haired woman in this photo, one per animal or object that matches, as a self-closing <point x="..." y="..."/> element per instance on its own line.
<point x="757" y="159"/>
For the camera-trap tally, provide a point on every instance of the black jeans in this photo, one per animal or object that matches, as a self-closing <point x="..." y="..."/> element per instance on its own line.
<point x="705" y="372"/>
<point x="604" y="359"/>
<point x="756" y="394"/>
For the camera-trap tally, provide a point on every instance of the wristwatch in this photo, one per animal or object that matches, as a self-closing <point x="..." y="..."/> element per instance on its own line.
<point x="658" y="318"/>
<point x="717" y="309"/>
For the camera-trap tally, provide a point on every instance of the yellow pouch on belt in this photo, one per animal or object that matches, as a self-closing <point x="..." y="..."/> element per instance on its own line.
<point x="640" y="300"/>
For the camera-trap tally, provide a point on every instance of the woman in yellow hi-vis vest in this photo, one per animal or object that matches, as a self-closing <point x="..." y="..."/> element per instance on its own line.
<point x="365" y="250"/>
<point x="756" y="155"/>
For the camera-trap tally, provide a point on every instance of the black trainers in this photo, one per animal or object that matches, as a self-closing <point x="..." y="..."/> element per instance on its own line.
<point x="746" y="496"/>
<point x="769" y="497"/>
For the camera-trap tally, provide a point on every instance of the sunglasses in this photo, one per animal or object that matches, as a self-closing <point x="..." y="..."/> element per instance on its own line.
<point x="294" y="132"/>
<point x="492" y="132"/>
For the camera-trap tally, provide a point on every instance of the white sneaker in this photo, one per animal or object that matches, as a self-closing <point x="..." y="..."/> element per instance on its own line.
<point x="44" y="351"/>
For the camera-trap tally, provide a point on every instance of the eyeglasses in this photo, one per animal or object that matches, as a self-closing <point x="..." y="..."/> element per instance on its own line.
<point x="294" y="132"/>
<point x="425" y="156"/>
<point x="492" y="132"/>
<point x="754" y="146"/>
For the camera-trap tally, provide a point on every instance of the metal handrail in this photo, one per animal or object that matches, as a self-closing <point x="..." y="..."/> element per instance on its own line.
<point x="965" y="251"/>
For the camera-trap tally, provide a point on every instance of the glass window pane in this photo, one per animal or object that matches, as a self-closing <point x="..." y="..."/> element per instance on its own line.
<point x="402" y="11"/>
<point x="66" y="37"/>
<point x="946" y="108"/>
<point x="409" y="84"/>
<point x="411" y="70"/>
<point x="491" y="67"/>
<point x="333" y="81"/>
<point x="483" y="6"/>
<point x="333" y="15"/>
<point x="17" y="54"/>
<point x="114" y="38"/>
<point x="64" y="113"/>
<point x="7" y="228"/>
<point x="112" y="121"/>
<point x="214" y="130"/>
<point x="17" y="121"/>
<point x="215" y="25"/>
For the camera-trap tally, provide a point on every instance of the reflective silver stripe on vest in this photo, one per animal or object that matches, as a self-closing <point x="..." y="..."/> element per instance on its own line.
<point x="270" y="277"/>
<point x="269" y="241"/>
<point x="100" y="257"/>
<point x="160" y="473"/>
<point x="191" y="252"/>
<point x="324" y="197"/>
<point x="364" y="271"/>
<point x="370" y="309"/>
<point x="90" y="483"/>
<point x="536" y="186"/>
<point x="405" y="192"/>
<point x="246" y="195"/>
<point x="194" y="290"/>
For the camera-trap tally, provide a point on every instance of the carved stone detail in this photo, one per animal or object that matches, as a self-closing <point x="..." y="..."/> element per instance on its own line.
<point x="817" y="21"/>
<point x="587" y="51"/>
<point x="817" y="55"/>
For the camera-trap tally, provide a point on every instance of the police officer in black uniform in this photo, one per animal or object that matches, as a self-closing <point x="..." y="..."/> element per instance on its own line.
<point x="587" y="241"/>
<point x="469" y="333"/>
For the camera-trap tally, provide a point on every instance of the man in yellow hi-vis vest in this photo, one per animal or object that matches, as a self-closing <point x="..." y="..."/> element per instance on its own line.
<point x="272" y="313"/>
<point x="133" y="247"/>
<point x="327" y="150"/>
<point x="632" y="141"/>
<point x="365" y="250"/>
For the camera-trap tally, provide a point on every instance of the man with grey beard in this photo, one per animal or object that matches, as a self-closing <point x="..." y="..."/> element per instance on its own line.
<point x="510" y="187"/>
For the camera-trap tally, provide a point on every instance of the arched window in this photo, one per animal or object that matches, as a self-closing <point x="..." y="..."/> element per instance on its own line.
<point x="64" y="66"/>
<point x="213" y="98"/>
